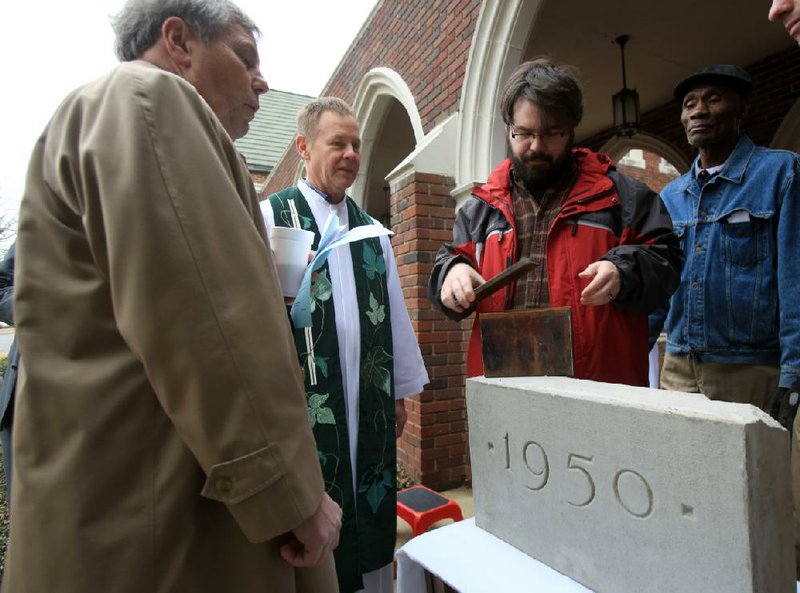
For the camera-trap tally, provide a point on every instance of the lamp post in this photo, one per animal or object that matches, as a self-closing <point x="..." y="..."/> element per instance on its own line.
<point x="626" y="102"/>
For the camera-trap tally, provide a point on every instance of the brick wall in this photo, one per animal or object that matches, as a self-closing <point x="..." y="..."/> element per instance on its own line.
<point x="433" y="448"/>
<point x="651" y="175"/>
<point x="258" y="177"/>
<point x="425" y="41"/>
<point x="776" y="84"/>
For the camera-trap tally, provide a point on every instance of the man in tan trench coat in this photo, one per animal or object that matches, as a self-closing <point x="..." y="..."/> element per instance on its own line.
<point x="162" y="442"/>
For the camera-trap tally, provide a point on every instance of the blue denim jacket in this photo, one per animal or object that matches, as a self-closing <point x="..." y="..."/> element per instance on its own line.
<point x="739" y="297"/>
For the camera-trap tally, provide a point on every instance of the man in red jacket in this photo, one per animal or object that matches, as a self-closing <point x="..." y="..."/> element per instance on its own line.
<point x="603" y="241"/>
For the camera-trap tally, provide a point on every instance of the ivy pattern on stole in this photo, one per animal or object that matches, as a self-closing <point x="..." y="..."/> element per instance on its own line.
<point x="369" y="514"/>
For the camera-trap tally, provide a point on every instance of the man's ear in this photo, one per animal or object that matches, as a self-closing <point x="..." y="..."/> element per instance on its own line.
<point x="177" y="36"/>
<point x="745" y="108"/>
<point x="301" y="146"/>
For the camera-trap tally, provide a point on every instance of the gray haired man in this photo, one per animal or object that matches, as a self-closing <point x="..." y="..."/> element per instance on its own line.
<point x="161" y="444"/>
<point x="359" y="352"/>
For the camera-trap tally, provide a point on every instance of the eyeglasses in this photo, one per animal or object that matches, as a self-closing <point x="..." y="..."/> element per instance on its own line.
<point x="528" y="136"/>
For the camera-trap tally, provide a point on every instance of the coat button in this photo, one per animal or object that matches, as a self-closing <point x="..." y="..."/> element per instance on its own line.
<point x="224" y="485"/>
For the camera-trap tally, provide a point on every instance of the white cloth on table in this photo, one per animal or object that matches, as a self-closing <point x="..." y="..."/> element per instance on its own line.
<point x="472" y="560"/>
<point x="655" y="367"/>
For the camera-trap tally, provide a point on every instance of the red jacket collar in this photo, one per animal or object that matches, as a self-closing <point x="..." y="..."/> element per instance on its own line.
<point x="593" y="178"/>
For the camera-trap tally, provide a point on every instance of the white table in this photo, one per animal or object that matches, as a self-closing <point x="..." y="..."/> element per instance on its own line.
<point x="472" y="560"/>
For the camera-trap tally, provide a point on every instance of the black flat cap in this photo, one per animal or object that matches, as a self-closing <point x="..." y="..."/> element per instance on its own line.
<point x="721" y="74"/>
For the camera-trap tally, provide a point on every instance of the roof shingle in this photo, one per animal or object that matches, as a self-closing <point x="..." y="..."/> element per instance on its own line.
<point x="272" y="129"/>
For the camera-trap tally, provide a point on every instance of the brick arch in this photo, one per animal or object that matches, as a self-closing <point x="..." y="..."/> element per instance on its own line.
<point x="498" y="45"/>
<point x="787" y="137"/>
<point x="378" y="89"/>
<point x="616" y="147"/>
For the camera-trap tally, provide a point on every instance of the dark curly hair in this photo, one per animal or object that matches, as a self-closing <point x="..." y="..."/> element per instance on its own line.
<point x="551" y="87"/>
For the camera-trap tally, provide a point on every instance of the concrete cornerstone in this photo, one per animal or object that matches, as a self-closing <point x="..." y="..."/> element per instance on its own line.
<point x="627" y="490"/>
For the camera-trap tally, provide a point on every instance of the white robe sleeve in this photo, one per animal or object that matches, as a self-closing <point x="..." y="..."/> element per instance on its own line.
<point x="268" y="214"/>
<point x="410" y="376"/>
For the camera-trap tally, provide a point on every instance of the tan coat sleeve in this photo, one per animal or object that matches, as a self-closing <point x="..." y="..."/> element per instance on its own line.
<point x="172" y="220"/>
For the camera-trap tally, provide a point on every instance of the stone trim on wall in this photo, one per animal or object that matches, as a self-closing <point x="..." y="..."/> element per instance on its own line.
<point x="497" y="48"/>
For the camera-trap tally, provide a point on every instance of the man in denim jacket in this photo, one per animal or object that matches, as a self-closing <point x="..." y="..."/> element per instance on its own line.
<point x="733" y="326"/>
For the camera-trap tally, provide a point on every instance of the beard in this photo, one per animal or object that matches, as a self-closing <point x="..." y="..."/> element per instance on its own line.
<point x="538" y="170"/>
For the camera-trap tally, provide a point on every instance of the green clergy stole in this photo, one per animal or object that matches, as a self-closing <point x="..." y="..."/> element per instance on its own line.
<point x="369" y="519"/>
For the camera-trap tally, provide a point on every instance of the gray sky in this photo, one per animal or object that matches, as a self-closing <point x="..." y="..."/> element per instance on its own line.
<point x="49" y="47"/>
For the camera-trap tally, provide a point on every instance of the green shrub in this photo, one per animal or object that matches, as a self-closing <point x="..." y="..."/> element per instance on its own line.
<point x="403" y="479"/>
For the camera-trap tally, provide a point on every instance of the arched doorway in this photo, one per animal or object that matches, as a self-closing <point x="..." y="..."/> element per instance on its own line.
<point x="393" y="141"/>
<point x="390" y="130"/>
<point x="647" y="158"/>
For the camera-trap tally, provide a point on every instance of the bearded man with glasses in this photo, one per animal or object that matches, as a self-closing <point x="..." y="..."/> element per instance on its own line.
<point x="603" y="241"/>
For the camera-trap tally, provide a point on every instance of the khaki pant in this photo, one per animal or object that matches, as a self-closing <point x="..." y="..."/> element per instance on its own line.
<point x="741" y="383"/>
